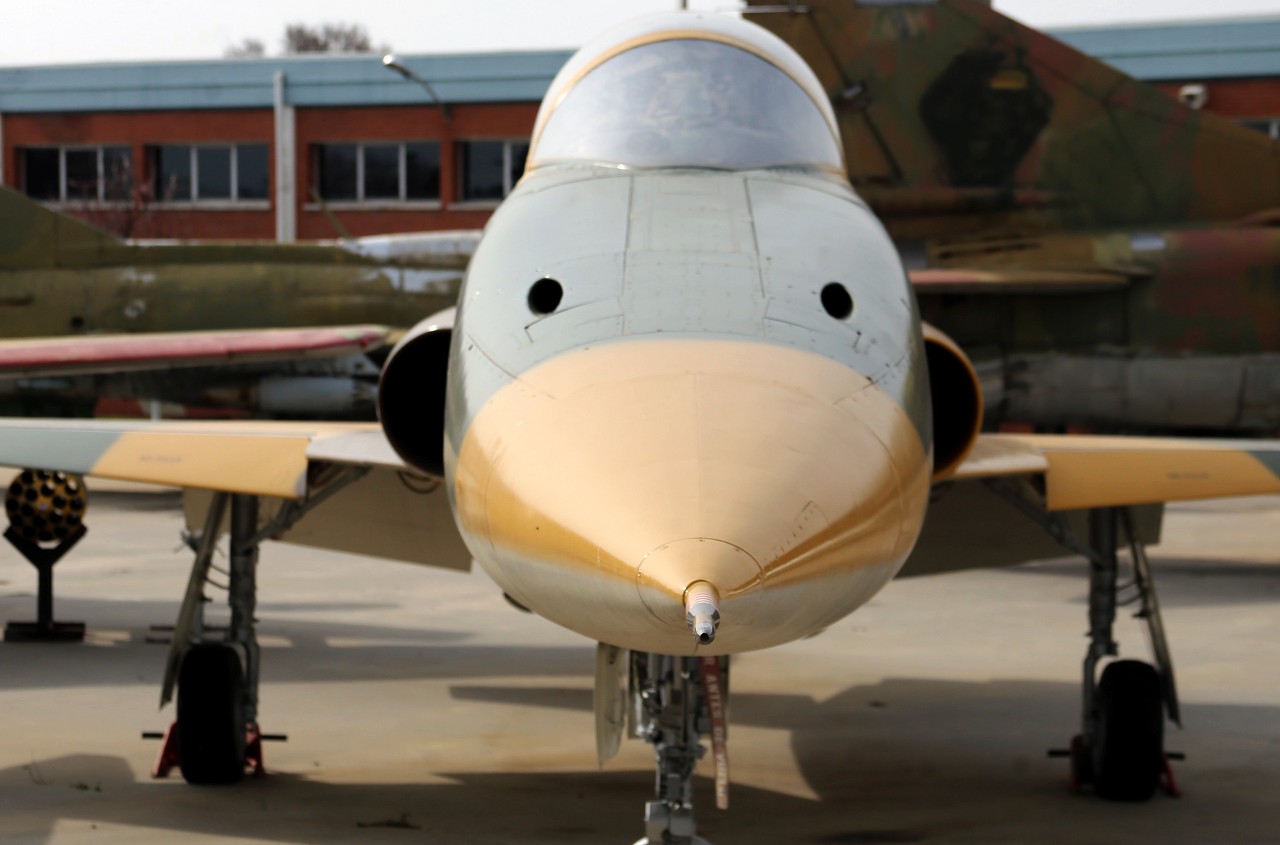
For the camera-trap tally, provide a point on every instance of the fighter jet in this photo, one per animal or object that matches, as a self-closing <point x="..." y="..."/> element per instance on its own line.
<point x="686" y="408"/>
<point x="107" y="311"/>
<point x="1107" y="255"/>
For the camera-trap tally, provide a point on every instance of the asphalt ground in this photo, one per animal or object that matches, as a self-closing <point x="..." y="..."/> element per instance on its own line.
<point x="420" y="707"/>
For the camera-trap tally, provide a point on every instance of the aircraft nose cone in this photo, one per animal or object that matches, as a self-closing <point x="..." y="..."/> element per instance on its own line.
<point x="609" y="487"/>
<point x="701" y="570"/>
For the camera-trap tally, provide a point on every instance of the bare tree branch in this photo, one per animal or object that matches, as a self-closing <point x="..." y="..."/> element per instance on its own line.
<point x="250" y="48"/>
<point x="329" y="38"/>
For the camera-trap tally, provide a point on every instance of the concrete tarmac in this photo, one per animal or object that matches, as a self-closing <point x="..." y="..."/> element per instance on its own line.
<point x="420" y="707"/>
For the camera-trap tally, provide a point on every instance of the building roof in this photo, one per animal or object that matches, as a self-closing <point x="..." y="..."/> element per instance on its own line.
<point x="1185" y="50"/>
<point x="1239" y="47"/>
<point x="250" y="83"/>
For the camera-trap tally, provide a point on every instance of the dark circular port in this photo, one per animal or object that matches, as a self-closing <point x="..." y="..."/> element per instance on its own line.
<point x="837" y="301"/>
<point x="545" y="296"/>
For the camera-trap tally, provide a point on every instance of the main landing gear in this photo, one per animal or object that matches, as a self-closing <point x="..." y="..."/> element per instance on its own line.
<point x="215" y="738"/>
<point x="1119" y="751"/>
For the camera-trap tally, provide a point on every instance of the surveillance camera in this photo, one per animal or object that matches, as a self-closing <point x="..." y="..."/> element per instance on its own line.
<point x="1193" y="96"/>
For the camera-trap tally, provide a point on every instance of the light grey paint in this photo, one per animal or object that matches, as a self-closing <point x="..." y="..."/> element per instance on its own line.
<point x="687" y="253"/>
<point x="286" y="164"/>
<point x="70" y="450"/>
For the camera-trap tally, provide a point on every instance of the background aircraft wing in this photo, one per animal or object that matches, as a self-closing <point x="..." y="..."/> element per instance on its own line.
<point x="950" y="280"/>
<point x="85" y="354"/>
<point x="336" y="486"/>
<point x="1014" y="492"/>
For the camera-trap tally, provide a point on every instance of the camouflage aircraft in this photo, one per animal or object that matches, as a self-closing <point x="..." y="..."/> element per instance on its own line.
<point x="1108" y="256"/>
<point x="685" y="407"/>
<point x="61" y="278"/>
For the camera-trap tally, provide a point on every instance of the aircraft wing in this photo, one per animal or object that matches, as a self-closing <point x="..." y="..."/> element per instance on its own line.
<point x="969" y="525"/>
<point x="1014" y="492"/>
<point x="1091" y="471"/>
<point x="336" y="486"/>
<point x="87" y="354"/>
<point x="946" y="280"/>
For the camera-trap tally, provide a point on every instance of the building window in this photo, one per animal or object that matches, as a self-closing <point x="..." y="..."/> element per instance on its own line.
<point x="78" y="174"/>
<point x="377" y="172"/>
<point x="490" y="169"/>
<point x="209" y="172"/>
<point x="1269" y="126"/>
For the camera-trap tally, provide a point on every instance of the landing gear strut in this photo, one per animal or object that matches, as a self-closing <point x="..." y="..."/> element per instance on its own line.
<point x="1120" y="748"/>
<point x="673" y="705"/>
<point x="216" y="737"/>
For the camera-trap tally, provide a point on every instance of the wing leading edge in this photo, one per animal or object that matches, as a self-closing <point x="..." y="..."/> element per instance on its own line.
<point x="336" y="486"/>
<point x="287" y="461"/>
<point x="1019" y="498"/>
<point x="1090" y="471"/>
<point x="87" y="354"/>
<point x="258" y="458"/>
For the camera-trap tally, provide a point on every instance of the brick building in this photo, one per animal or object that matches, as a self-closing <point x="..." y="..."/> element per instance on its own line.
<point x="321" y="146"/>
<point x="1229" y="67"/>
<point x="248" y="148"/>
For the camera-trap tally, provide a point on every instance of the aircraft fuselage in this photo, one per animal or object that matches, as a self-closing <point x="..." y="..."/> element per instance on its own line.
<point x="689" y="410"/>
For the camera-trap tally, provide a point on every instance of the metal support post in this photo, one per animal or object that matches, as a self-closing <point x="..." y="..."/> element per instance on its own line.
<point x="1102" y="606"/>
<point x="243" y="594"/>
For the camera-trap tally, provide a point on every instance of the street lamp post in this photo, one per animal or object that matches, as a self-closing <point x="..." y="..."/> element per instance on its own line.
<point x="391" y="63"/>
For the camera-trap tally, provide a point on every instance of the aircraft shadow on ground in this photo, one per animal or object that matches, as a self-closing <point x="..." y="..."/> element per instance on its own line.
<point x="958" y="758"/>
<point x="377" y="653"/>
<point x="1181" y="582"/>
<point x="906" y="760"/>
<point x="118" y="500"/>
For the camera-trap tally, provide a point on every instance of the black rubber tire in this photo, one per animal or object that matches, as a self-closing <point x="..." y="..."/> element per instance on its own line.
<point x="1128" y="750"/>
<point x="211" y="723"/>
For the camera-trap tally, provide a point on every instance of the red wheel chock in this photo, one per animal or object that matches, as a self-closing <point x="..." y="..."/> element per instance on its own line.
<point x="253" y="758"/>
<point x="168" y="759"/>
<point x="1167" y="781"/>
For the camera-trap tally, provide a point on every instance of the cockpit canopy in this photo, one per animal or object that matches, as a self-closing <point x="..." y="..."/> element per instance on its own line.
<point x="685" y="98"/>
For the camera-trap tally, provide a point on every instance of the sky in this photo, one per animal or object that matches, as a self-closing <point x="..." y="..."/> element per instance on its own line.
<point x="76" y="31"/>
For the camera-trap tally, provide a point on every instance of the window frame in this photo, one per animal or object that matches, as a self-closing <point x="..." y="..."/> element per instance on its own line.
<point x="508" y="184"/>
<point x="360" y="201"/>
<point x="1268" y="125"/>
<point x="64" y="197"/>
<point x="193" y="163"/>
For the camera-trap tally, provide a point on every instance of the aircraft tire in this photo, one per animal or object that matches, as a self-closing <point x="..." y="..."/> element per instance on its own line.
<point x="1128" y="750"/>
<point x="211" y="723"/>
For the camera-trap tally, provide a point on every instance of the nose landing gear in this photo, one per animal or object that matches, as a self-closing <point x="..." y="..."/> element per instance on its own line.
<point x="675" y="700"/>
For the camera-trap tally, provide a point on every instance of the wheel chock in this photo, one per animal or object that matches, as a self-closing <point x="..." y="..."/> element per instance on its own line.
<point x="253" y="758"/>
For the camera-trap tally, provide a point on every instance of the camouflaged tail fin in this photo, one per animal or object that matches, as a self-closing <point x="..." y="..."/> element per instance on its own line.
<point x="32" y="236"/>
<point x="956" y="118"/>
